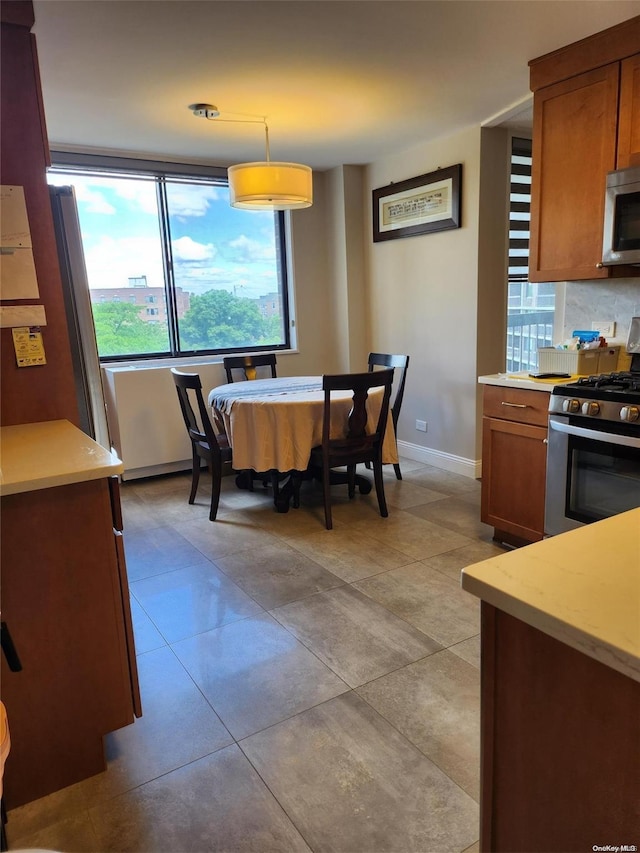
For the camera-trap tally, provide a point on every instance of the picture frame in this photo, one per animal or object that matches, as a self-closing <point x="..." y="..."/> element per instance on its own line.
<point x="421" y="205"/>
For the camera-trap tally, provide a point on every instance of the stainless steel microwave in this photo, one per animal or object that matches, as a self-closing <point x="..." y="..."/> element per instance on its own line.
<point x="621" y="239"/>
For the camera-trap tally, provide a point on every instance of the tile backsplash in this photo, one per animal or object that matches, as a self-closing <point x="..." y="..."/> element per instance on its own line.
<point x="617" y="300"/>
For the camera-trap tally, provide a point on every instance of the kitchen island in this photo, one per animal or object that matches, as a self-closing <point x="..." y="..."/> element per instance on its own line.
<point x="560" y="724"/>
<point x="65" y="603"/>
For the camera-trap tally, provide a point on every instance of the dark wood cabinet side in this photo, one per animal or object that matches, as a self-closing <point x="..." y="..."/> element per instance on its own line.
<point x="45" y="392"/>
<point x="560" y="750"/>
<point x="629" y="122"/>
<point x="62" y="597"/>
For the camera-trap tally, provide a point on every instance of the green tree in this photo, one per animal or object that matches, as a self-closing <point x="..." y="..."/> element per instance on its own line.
<point x="272" y="330"/>
<point x="121" y="331"/>
<point x="218" y="319"/>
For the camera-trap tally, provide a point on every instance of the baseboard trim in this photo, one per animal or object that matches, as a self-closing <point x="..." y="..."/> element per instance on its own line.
<point x="415" y="452"/>
<point x="447" y="461"/>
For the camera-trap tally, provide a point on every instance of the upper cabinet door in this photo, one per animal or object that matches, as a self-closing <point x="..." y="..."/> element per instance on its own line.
<point x="629" y="117"/>
<point x="574" y="146"/>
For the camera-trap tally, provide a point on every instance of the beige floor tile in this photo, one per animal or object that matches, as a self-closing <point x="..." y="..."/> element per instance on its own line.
<point x="177" y="726"/>
<point x="436" y="704"/>
<point x="255" y="673"/>
<point x="468" y="650"/>
<point x="157" y="550"/>
<point x="351" y="783"/>
<point x="217" y="803"/>
<point x="455" y="513"/>
<point x="451" y="563"/>
<point x="357" y="638"/>
<point x="26" y="821"/>
<point x="227" y="535"/>
<point x="429" y="600"/>
<point x="413" y="536"/>
<point x="443" y="481"/>
<point x="349" y="554"/>
<point x="73" y="834"/>
<point x="405" y="493"/>
<point x="146" y="635"/>
<point x="192" y="600"/>
<point x="276" y="574"/>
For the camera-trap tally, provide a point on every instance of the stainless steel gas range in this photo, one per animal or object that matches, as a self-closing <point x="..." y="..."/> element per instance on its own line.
<point x="593" y="453"/>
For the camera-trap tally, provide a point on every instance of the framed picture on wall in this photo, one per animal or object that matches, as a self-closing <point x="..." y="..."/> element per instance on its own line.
<point x="421" y="205"/>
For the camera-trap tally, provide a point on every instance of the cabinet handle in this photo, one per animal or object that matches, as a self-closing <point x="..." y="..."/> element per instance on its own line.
<point x="545" y="441"/>
<point x="515" y="405"/>
<point x="599" y="265"/>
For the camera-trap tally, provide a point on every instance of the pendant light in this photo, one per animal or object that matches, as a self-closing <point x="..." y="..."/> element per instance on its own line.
<point x="264" y="184"/>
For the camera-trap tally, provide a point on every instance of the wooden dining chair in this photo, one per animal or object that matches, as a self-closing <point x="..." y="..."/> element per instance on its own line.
<point x="248" y="365"/>
<point x="358" y="445"/>
<point x="205" y="444"/>
<point x="400" y="363"/>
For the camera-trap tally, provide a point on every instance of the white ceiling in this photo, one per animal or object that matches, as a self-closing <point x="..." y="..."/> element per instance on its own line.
<point x="339" y="81"/>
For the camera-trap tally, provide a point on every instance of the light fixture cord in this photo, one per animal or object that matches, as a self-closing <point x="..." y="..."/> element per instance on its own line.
<point x="266" y="135"/>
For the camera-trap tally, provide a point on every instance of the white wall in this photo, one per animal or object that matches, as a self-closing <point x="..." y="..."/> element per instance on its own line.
<point x="424" y="300"/>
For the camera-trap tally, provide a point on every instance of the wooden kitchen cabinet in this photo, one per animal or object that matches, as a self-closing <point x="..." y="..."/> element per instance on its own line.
<point x="514" y="460"/>
<point x="65" y="600"/>
<point x="586" y="123"/>
<point x="629" y="125"/>
<point x="560" y="744"/>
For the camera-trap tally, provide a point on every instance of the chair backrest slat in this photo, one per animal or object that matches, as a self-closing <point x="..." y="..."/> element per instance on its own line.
<point x="401" y="364"/>
<point x="249" y="364"/>
<point x="198" y="425"/>
<point x="360" y="384"/>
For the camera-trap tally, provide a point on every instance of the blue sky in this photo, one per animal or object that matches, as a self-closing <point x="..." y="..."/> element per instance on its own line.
<point x="213" y="244"/>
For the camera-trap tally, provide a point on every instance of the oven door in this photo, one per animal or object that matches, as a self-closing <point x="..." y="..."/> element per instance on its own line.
<point x="591" y="474"/>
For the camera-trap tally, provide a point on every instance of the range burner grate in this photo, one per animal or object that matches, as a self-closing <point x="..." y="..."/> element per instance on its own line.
<point x="623" y="381"/>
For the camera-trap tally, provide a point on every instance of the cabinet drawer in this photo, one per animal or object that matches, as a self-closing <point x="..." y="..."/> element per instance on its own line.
<point x="516" y="404"/>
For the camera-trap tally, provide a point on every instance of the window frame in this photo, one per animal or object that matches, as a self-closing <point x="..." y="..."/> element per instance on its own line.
<point x="161" y="170"/>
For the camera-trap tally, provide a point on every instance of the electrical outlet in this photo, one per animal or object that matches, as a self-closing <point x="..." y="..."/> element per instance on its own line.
<point x="421" y="426"/>
<point x="607" y="328"/>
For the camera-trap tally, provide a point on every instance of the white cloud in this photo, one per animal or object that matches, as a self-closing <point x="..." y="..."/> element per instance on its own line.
<point x="110" y="263"/>
<point x="190" y="200"/>
<point x="246" y="250"/>
<point x="186" y="249"/>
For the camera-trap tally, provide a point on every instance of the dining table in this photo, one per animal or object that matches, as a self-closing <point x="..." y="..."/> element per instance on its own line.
<point x="273" y="424"/>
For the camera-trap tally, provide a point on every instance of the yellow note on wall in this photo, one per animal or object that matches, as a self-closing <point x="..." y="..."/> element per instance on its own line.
<point x="27" y="342"/>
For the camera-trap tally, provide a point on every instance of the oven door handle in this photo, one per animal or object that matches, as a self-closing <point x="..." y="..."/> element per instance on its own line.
<point x="596" y="435"/>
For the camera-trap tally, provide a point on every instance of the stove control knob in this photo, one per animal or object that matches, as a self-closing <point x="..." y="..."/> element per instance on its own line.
<point x="572" y="406"/>
<point x="630" y="413"/>
<point x="591" y="408"/>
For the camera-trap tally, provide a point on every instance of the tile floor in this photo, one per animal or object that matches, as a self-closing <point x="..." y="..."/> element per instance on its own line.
<point x="302" y="689"/>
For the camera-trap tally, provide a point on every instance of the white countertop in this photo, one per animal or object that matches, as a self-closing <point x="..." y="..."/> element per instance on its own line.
<point x="51" y="453"/>
<point x="523" y="380"/>
<point x="580" y="587"/>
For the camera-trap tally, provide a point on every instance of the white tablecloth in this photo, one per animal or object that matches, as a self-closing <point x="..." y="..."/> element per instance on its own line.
<point x="274" y="423"/>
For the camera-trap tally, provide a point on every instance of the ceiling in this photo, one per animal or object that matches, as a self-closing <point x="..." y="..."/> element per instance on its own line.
<point x="339" y="81"/>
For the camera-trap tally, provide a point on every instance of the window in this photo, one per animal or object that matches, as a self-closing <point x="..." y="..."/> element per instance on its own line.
<point x="165" y="234"/>
<point x="530" y="307"/>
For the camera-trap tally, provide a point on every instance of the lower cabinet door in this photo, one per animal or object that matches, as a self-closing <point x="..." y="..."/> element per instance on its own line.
<point x="514" y="458"/>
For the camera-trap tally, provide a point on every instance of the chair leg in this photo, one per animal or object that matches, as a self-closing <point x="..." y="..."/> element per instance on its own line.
<point x="326" y="487"/>
<point x="216" y="483"/>
<point x="379" y="480"/>
<point x="351" y="480"/>
<point x="195" y="476"/>
<point x="396" y="468"/>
